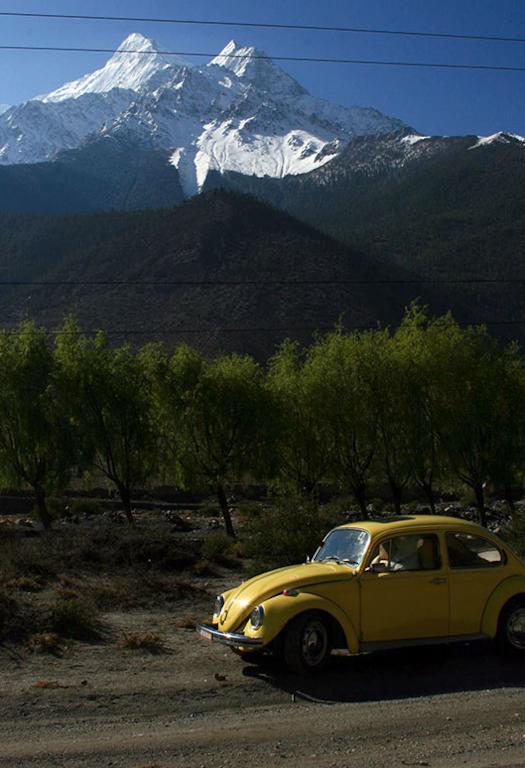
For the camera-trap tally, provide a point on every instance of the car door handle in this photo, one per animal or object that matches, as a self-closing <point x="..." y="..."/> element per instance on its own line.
<point x="438" y="580"/>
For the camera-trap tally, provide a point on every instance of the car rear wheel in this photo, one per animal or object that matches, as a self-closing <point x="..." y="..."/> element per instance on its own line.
<point x="511" y="631"/>
<point x="306" y="643"/>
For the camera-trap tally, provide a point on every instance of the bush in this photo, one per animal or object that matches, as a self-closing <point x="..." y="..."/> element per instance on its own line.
<point x="286" y="532"/>
<point x="145" y="641"/>
<point x="17" y="618"/>
<point x="85" y="507"/>
<point x="44" y="642"/>
<point x="76" y="618"/>
<point x="218" y="548"/>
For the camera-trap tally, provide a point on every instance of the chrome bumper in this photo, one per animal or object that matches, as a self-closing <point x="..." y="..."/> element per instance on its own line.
<point x="228" y="638"/>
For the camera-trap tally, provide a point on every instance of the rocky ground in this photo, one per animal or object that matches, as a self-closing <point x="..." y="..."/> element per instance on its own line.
<point x="184" y="702"/>
<point x="196" y="704"/>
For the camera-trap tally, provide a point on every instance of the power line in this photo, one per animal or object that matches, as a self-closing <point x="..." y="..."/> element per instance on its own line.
<point x="304" y="59"/>
<point x="268" y="25"/>
<point x="252" y="283"/>
<point x="219" y="329"/>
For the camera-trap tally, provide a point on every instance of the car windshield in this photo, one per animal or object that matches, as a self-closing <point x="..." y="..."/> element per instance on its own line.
<point x="344" y="545"/>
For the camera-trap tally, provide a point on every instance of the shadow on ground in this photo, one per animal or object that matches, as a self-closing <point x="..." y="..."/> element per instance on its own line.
<point x="399" y="674"/>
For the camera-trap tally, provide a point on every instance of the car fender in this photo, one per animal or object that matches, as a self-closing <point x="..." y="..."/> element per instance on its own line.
<point x="281" y="609"/>
<point x="507" y="589"/>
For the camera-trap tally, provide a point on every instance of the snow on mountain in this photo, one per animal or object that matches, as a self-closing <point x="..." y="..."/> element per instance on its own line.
<point x="502" y="137"/>
<point x="3" y="108"/>
<point x="132" y="67"/>
<point x="239" y="112"/>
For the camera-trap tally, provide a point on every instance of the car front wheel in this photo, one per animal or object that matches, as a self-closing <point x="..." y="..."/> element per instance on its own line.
<point x="306" y="644"/>
<point x="511" y="634"/>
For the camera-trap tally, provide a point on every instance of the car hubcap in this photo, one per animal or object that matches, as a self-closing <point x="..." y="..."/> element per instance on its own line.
<point x="315" y="643"/>
<point x="516" y="628"/>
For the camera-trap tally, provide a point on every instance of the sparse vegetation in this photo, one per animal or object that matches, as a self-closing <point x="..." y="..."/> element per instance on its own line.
<point x="44" y="642"/>
<point x="141" y="641"/>
<point x="76" y="618"/>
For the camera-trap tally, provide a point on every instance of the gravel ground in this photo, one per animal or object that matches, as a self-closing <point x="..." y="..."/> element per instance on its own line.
<point x="196" y="704"/>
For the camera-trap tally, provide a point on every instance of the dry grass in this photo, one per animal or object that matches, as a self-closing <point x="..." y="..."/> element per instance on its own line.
<point x="66" y="593"/>
<point x="76" y="618"/>
<point x="25" y="583"/>
<point x="141" y="641"/>
<point x="186" y="622"/>
<point x="44" y="642"/>
<point x="49" y="685"/>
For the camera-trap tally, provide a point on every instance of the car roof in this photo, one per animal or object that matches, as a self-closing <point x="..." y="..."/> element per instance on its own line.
<point x="400" y="523"/>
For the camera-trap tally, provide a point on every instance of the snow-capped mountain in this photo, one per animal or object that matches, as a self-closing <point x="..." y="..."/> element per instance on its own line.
<point x="3" y="108"/>
<point x="240" y="112"/>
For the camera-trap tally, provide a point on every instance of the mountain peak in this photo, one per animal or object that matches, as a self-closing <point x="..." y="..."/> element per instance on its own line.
<point x="131" y="67"/>
<point x="254" y="66"/>
<point x="238" y="58"/>
<point x="501" y="137"/>
<point x="138" y="42"/>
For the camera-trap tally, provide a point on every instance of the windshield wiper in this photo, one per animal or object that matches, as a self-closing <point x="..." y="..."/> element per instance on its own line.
<point x="339" y="561"/>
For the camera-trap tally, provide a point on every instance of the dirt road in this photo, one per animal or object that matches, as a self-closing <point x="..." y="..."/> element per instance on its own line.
<point x="196" y="704"/>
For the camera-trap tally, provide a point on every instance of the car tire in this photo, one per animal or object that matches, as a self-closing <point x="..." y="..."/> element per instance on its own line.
<point x="306" y="644"/>
<point x="511" y="629"/>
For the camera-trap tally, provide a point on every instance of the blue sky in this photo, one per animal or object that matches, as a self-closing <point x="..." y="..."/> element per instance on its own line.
<point x="432" y="101"/>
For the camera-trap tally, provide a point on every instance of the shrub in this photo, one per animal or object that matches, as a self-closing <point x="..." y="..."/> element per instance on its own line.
<point x="44" y="642"/>
<point x="218" y="548"/>
<point x="25" y="583"/>
<point x="17" y="618"/>
<point x="85" y="507"/>
<point x="186" y="622"/>
<point x="286" y="532"/>
<point x="76" y="618"/>
<point x="145" y="641"/>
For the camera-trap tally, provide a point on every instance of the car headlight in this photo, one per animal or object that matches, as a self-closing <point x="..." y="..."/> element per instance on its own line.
<point x="257" y="617"/>
<point x="218" y="606"/>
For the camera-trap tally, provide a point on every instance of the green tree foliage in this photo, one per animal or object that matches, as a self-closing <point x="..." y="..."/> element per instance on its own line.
<point x="473" y="416"/>
<point x="302" y="447"/>
<point x="432" y="405"/>
<point x="344" y="369"/>
<point x="216" y="416"/>
<point x="108" y="395"/>
<point x="36" y="442"/>
<point x="416" y="346"/>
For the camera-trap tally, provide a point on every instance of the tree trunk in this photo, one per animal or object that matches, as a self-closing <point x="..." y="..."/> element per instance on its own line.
<point x="223" y="503"/>
<point x="125" y="497"/>
<point x="397" y="494"/>
<point x="43" y="513"/>
<point x="480" y="503"/>
<point x="510" y="501"/>
<point x="429" y="493"/>
<point x="360" y="496"/>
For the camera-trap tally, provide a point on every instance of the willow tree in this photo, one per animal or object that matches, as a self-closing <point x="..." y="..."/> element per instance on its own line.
<point x="474" y="422"/>
<point x="344" y="368"/>
<point x="302" y="448"/>
<point x="418" y="343"/>
<point x="37" y="448"/>
<point x="109" y="399"/>
<point x="215" y="416"/>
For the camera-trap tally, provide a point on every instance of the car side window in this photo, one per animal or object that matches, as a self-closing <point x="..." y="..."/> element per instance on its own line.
<point x="468" y="551"/>
<point x="415" y="552"/>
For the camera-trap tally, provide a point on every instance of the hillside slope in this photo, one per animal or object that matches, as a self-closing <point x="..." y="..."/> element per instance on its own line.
<point x="102" y="175"/>
<point x="218" y="237"/>
<point x="445" y="209"/>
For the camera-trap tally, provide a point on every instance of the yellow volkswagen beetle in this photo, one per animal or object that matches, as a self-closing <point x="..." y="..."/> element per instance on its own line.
<point x="393" y="582"/>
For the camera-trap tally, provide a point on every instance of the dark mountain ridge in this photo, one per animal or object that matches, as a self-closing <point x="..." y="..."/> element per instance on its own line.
<point x="221" y="239"/>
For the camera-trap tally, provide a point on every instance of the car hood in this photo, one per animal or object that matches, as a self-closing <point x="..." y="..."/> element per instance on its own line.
<point x="242" y="600"/>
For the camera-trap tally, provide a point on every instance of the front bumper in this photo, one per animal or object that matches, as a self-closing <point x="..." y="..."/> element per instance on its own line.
<point x="233" y="639"/>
